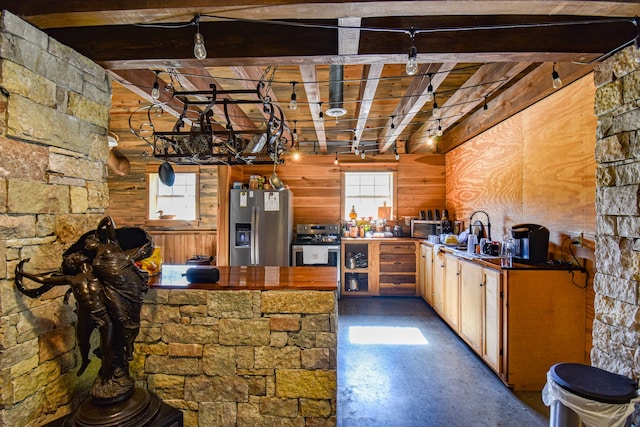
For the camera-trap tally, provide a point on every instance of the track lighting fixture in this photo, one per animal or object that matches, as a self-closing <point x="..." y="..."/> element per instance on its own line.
<point x="412" y="60"/>
<point x="293" y="102"/>
<point x="155" y="92"/>
<point x="439" y="131"/>
<point x="199" y="51"/>
<point x="429" y="97"/>
<point x="335" y="162"/>
<point x="555" y="78"/>
<point x="436" y="111"/>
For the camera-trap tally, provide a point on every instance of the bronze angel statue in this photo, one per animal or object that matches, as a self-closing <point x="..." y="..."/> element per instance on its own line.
<point x="108" y="287"/>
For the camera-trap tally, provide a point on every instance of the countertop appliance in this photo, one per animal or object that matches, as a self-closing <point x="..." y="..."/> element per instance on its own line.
<point x="532" y="243"/>
<point x="260" y="227"/>
<point x="423" y="228"/>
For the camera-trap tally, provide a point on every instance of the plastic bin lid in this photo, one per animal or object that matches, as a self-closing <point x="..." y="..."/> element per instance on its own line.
<point x="594" y="383"/>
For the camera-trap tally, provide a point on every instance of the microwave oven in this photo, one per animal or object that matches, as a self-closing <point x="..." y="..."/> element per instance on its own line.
<point x="423" y="228"/>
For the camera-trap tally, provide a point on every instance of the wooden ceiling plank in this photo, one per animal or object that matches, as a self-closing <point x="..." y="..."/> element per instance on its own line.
<point x="312" y="89"/>
<point x="526" y="92"/>
<point x="349" y="37"/>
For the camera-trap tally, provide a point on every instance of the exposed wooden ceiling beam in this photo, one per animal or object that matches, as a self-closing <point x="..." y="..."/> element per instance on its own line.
<point x="370" y="81"/>
<point x="521" y="95"/>
<point x="312" y="89"/>
<point x="348" y="36"/>
<point x="412" y="103"/>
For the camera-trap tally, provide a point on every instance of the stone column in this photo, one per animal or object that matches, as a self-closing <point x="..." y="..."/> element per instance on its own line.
<point x="54" y="113"/>
<point x="616" y="328"/>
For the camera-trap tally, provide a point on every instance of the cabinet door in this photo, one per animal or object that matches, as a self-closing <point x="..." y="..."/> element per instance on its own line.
<point x="452" y="291"/>
<point x="493" y="319"/>
<point x="438" y="282"/>
<point x="471" y="300"/>
<point x="356" y="277"/>
<point x="428" y="275"/>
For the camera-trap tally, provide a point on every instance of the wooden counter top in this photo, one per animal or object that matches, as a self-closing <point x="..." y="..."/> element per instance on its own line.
<point x="252" y="278"/>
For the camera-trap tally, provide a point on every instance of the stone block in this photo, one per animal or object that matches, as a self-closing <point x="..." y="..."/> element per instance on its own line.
<point x="299" y="383"/>
<point x="191" y="311"/>
<point x="615" y="257"/>
<point x="98" y="195"/>
<point x="616" y="313"/>
<point x="21" y="160"/>
<point x="71" y="166"/>
<point x="36" y="198"/>
<point x="157" y="348"/>
<point x="18" y="353"/>
<point x="190" y="297"/>
<point x="88" y="110"/>
<point x="14" y="25"/>
<point x="232" y="304"/>
<point x="284" y="408"/>
<point x="216" y="389"/>
<point x="631" y="87"/>
<point x="40" y="320"/>
<point x="244" y="331"/>
<point x="21" y="81"/>
<point x="274" y="358"/>
<point x="219" y="360"/>
<point x="326" y="340"/>
<point x="315" y="358"/>
<point x="315" y="408"/>
<point x="69" y="227"/>
<point x="79" y="200"/>
<point x="257" y="386"/>
<point x="26" y="385"/>
<point x="3" y="194"/>
<point x="185" y="350"/>
<point x="189" y="334"/>
<point x="285" y="323"/>
<point x="316" y="323"/>
<point x="158" y="314"/>
<point x="156" y="364"/>
<point x="157" y="296"/>
<point x="17" y="226"/>
<point x="304" y="302"/>
<point x="45" y="225"/>
<point x="628" y="174"/>
<point x="279" y="339"/>
<point x="611" y="149"/>
<point x="244" y="357"/>
<point x="219" y="414"/>
<point x="626" y="122"/>
<point x="158" y="381"/>
<point x="611" y="362"/>
<point x="628" y="226"/>
<point x="623" y="200"/>
<point x="608" y="98"/>
<point x="303" y="339"/>
<point x="617" y="288"/>
<point x="45" y="255"/>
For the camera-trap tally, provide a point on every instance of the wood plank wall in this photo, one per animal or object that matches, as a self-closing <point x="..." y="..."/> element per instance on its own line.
<point x="536" y="167"/>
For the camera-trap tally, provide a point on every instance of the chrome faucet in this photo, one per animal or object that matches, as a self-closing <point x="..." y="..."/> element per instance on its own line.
<point x="488" y="223"/>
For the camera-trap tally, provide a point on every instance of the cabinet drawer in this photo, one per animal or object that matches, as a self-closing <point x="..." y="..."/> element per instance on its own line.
<point x="395" y="248"/>
<point x="398" y="258"/>
<point x="399" y="289"/>
<point x="399" y="267"/>
<point x="397" y="279"/>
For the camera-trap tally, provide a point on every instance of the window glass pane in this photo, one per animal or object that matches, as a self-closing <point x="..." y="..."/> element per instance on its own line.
<point x="178" y="200"/>
<point x="367" y="191"/>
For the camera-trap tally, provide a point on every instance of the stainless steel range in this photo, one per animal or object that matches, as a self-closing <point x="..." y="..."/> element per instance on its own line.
<point x="316" y="245"/>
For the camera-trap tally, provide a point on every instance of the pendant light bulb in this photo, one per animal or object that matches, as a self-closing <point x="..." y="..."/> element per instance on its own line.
<point x="363" y="155"/>
<point x="555" y="77"/>
<point x="429" y="96"/>
<point x="485" y="107"/>
<point x="155" y="92"/>
<point x="356" y="151"/>
<point x="295" y="130"/>
<point x="430" y="141"/>
<point x="335" y="162"/>
<point x="321" y="114"/>
<point x="412" y="61"/>
<point x="199" y="51"/>
<point x="293" y="102"/>
<point x="395" y="151"/>
<point x="436" y="110"/>
<point x="439" y="131"/>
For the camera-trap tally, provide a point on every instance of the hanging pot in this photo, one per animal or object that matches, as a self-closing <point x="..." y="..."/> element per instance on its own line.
<point x="166" y="174"/>
<point x="275" y="180"/>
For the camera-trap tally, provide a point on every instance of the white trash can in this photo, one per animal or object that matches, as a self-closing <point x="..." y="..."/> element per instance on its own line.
<point x="582" y="395"/>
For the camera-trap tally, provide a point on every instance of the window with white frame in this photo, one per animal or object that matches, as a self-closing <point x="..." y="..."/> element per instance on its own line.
<point x="366" y="192"/>
<point x="176" y="202"/>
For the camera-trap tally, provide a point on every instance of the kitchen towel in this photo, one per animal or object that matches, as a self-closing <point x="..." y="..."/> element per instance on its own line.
<point x="315" y="254"/>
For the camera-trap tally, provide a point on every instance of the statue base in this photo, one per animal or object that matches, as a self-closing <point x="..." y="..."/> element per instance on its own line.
<point x="142" y="409"/>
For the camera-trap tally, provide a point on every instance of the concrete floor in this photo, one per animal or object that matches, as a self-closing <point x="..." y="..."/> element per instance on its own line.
<point x="383" y="382"/>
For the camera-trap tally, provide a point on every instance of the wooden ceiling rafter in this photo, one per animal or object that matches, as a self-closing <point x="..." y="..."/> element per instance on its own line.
<point x="312" y="89"/>
<point x="370" y="81"/>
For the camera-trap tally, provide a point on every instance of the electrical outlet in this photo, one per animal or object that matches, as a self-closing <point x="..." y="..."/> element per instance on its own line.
<point x="577" y="238"/>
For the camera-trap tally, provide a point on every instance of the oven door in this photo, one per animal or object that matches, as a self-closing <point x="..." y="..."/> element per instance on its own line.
<point x="297" y="258"/>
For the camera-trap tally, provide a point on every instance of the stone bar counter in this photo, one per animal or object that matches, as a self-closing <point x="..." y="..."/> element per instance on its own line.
<point x="256" y="348"/>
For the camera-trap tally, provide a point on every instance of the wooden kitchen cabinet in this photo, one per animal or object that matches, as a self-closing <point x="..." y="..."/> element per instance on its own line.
<point x="520" y="321"/>
<point x="391" y="267"/>
<point x="452" y="291"/>
<point x="425" y="273"/>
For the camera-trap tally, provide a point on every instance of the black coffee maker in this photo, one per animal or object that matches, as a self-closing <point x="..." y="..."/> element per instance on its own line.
<point x="532" y="243"/>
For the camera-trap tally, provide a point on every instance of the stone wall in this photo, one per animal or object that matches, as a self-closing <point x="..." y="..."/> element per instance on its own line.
<point x="616" y="328"/>
<point x="54" y="112"/>
<point x="246" y="358"/>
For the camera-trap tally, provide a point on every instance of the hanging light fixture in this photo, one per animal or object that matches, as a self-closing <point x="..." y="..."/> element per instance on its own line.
<point x="393" y="126"/>
<point x="395" y="151"/>
<point x="485" y="106"/>
<point x="295" y="130"/>
<point x="363" y="155"/>
<point x="335" y="162"/>
<point x="321" y="114"/>
<point x="155" y="92"/>
<point x="439" y="131"/>
<point x="429" y="97"/>
<point x="555" y="78"/>
<point x="412" y="60"/>
<point x="436" y="110"/>
<point x="293" y="102"/>
<point x="199" y="50"/>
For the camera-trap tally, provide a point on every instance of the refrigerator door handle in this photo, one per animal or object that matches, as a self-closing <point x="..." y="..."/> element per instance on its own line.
<point x="256" y="246"/>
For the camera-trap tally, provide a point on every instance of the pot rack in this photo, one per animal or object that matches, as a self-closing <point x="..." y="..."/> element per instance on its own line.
<point x="207" y="142"/>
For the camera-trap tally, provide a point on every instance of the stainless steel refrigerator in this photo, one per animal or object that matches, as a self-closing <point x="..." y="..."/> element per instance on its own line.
<point x="260" y="227"/>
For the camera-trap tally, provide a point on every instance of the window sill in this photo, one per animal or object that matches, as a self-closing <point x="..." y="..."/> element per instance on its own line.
<point x="170" y="223"/>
